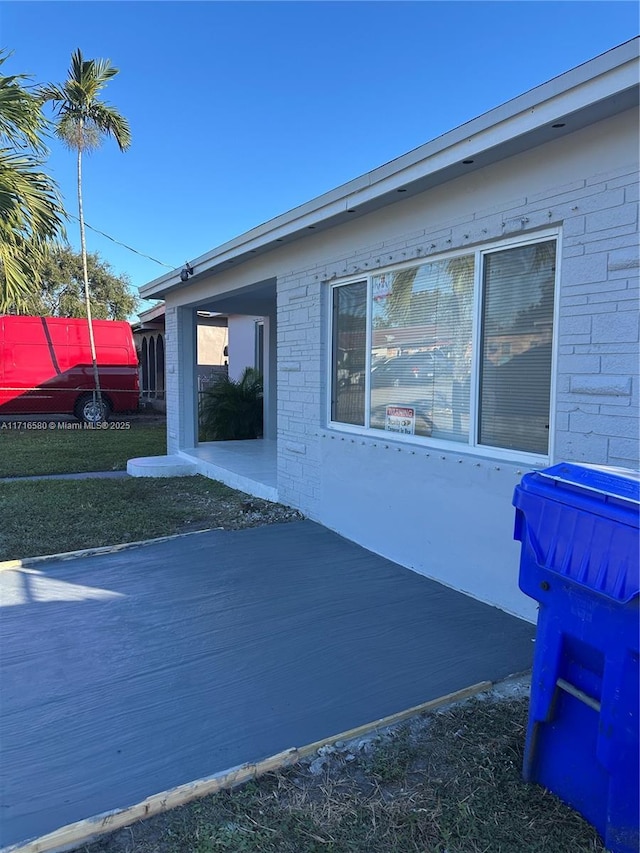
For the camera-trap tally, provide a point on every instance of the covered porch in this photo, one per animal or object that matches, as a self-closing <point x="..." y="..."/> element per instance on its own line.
<point x="251" y="320"/>
<point x="247" y="465"/>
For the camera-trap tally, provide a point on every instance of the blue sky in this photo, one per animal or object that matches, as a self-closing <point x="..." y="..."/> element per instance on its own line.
<point x="240" y="111"/>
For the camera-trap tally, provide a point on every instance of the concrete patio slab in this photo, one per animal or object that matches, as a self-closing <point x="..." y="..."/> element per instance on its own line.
<point x="130" y="673"/>
<point x="250" y="466"/>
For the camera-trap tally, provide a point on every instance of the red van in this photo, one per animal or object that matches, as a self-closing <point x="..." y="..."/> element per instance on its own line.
<point x="46" y="367"/>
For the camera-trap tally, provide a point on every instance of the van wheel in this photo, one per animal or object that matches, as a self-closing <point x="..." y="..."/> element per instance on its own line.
<point x="91" y="413"/>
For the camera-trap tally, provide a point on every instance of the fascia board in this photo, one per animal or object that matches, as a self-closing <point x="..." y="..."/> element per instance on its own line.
<point x="476" y="141"/>
<point x="153" y="313"/>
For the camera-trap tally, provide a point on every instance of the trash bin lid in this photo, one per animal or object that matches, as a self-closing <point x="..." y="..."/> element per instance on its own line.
<point x="583" y="522"/>
<point x="621" y="483"/>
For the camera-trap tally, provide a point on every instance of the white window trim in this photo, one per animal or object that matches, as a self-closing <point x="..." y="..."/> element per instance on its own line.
<point x="471" y="447"/>
<point x="554" y="351"/>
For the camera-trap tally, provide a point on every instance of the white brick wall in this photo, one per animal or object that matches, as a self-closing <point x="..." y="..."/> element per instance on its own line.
<point x="598" y="329"/>
<point x="597" y="394"/>
<point x="300" y="383"/>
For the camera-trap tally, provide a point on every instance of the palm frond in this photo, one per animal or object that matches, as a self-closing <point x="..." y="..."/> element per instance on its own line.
<point x="31" y="212"/>
<point x="21" y="119"/>
<point x="29" y="200"/>
<point x="104" y="71"/>
<point x="53" y="94"/>
<point x="109" y="122"/>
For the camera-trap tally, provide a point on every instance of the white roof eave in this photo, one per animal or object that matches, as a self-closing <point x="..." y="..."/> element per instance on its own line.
<point x="594" y="82"/>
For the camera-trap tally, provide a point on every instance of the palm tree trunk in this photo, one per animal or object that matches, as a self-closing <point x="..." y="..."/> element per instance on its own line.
<point x="97" y="394"/>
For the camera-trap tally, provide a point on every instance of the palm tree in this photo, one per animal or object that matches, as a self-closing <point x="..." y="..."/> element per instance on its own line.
<point x="31" y="212"/>
<point x="83" y="121"/>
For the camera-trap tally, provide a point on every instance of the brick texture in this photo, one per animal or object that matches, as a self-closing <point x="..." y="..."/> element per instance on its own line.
<point x="597" y="326"/>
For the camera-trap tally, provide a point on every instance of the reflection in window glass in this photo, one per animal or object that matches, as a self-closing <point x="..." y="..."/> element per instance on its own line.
<point x="517" y="328"/>
<point x="421" y="349"/>
<point x="349" y="353"/>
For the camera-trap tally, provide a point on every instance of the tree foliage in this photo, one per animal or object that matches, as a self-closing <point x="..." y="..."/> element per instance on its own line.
<point x="61" y="290"/>
<point x="31" y="212"/>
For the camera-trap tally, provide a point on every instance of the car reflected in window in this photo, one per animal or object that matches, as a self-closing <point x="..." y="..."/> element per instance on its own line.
<point x="404" y="370"/>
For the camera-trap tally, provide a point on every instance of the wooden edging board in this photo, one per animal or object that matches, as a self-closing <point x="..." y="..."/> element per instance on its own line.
<point x="31" y="562"/>
<point x="83" y="831"/>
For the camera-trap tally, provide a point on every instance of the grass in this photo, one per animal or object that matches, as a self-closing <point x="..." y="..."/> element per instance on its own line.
<point x="446" y="783"/>
<point x="60" y="450"/>
<point x="51" y="516"/>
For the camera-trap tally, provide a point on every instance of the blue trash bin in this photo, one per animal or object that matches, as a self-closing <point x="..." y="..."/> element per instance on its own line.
<point x="578" y="526"/>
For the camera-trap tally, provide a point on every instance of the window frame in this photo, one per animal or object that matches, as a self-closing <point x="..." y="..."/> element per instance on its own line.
<point x="472" y="445"/>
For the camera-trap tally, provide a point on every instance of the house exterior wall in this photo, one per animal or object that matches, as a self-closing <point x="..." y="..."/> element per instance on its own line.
<point x="182" y="334"/>
<point x="448" y="513"/>
<point x="151" y="368"/>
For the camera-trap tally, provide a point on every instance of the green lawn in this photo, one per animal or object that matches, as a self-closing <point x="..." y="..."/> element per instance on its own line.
<point x="67" y="448"/>
<point x="51" y="516"/>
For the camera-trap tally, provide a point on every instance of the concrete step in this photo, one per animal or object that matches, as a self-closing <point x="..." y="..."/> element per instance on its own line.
<point x="161" y="466"/>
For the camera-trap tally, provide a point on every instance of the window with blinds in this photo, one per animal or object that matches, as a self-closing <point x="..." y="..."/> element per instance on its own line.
<point x="515" y="362"/>
<point x="421" y="346"/>
<point x="348" y="353"/>
<point x="451" y="350"/>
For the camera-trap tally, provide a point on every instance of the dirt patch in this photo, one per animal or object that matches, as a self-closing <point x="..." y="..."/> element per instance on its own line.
<point x="446" y="782"/>
<point x="237" y="512"/>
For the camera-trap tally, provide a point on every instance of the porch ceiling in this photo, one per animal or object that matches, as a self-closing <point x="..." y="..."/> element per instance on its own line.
<point x="258" y="299"/>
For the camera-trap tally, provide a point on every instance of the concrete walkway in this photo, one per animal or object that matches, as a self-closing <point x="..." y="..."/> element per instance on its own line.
<point x="129" y="673"/>
<point x="99" y="475"/>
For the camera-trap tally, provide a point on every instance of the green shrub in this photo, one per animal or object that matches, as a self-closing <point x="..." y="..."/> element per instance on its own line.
<point x="232" y="410"/>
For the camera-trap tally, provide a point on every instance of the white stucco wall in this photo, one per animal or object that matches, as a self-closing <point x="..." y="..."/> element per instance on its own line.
<point x="242" y="344"/>
<point x="448" y="514"/>
<point x="445" y="515"/>
<point x="211" y="343"/>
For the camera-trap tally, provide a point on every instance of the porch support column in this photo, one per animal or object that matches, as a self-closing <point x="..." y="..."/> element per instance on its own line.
<point x="270" y="377"/>
<point x="181" y="386"/>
